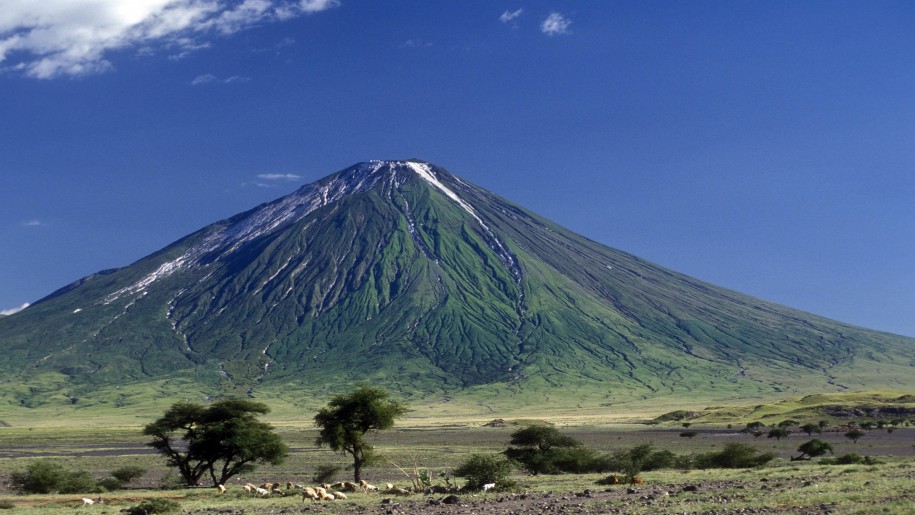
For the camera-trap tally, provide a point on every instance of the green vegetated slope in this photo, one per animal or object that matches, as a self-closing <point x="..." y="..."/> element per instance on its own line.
<point x="437" y="289"/>
<point x="843" y="407"/>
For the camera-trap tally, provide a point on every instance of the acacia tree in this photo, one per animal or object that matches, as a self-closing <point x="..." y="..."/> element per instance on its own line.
<point x="348" y="417"/>
<point x="223" y="439"/>
<point x="812" y="449"/>
<point x="543" y="449"/>
<point x="854" y="435"/>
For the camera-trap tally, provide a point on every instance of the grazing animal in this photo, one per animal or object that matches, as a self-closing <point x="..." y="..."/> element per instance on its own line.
<point x="87" y="501"/>
<point x="309" y="493"/>
<point x="367" y="487"/>
<point x="349" y="487"/>
<point x="614" y="480"/>
<point x="636" y="480"/>
<point x="488" y="486"/>
<point x="249" y="488"/>
<point x="339" y="495"/>
<point x="263" y="492"/>
<point x="396" y="490"/>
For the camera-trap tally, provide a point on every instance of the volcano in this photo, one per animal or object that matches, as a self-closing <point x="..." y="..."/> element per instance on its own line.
<point x="402" y="275"/>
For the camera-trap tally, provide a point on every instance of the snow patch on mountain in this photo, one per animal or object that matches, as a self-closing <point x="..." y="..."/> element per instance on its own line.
<point x="276" y="215"/>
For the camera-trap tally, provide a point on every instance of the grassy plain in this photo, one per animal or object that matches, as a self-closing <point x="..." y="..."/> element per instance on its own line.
<point x="781" y="487"/>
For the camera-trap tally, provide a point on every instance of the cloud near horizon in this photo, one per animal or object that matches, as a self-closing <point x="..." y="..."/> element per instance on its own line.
<point x="14" y="310"/>
<point x="208" y="78"/>
<point x="555" y="24"/>
<point x="279" y="176"/>
<point x="53" y="38"/>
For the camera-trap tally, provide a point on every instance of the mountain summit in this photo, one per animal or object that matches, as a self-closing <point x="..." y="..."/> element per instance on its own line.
<point x="400" y="274"/>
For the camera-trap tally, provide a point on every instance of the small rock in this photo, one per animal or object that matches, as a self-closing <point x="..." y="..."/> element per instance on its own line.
<point x="690" y="488"/>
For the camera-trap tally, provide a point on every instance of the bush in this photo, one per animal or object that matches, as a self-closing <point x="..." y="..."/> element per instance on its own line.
<point x="6" y="505"/>
<point x="152" y="506"/>
<point x="481" y="469"/>
<point x="110" y="483"/>
<point x="733" y="456"/>
<point x="76" y="482"/>
<point x="851" y="458"/>
<point x="44" y="477"/>
<point x="129" y="473"/>
<point x="642" y="458"/>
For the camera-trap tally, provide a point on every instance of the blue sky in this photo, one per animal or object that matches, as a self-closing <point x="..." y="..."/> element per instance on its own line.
<point x="763" y="146"/>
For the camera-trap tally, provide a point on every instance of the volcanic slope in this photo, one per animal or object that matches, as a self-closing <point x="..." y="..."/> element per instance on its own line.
<point x="399" y="274"/>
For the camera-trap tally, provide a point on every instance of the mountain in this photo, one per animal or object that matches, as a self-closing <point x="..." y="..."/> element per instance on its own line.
<point x="400" y="274"/>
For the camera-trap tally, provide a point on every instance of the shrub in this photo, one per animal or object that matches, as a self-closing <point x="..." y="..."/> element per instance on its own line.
<point x="480" y="469"/>
<point x="129" y="473"/>
<point x="152" y="506"/>
<point x="688" y="434"/>
<point x="733" y="456"/>
<point x="642" y="458"/>
<point x="44" y="477"/>
<point x="851" y="458"/>
<point x="6" y="505"/>
<point x="76" y="482"/>
<point x="110" y="483"/>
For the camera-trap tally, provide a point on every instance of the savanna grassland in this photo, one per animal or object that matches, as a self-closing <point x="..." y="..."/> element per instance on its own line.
<point x="885" y="485"/>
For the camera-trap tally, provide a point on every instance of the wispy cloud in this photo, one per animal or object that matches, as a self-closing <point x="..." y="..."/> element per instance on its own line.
<point x="279" y="176"/>
<point x="32" y="223"/>
<point x="555" y="24"/>
<point x="53" y="38"/>
<point x="13" y="310"/>
<point x="208" y="78"/>
<point x="508" y="16"/>
<point x="416" y="43"/>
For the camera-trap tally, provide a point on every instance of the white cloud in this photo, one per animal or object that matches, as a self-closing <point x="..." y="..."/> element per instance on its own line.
<point x="208" y="78"/>
<point x="52" y="38"/>
<point x="416" y="43"/>
<point x="509" y="16"/>
<point x="32" y="223"/>
<point x="555" y="24"/>
<point x="279" y="176"/>
<point x="14" y="310"/>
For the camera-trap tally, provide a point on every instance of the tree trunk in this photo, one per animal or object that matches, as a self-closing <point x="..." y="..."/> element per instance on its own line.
<point x="358" y="461"/>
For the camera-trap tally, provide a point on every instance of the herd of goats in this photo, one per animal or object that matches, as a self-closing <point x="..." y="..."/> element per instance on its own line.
<point x="330" y="492"/>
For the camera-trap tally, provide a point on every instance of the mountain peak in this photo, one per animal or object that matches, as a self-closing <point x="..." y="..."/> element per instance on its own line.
<point x="401" y="274"/>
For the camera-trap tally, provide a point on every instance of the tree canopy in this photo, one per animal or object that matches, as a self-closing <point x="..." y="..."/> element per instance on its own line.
<point x="223" y="439"/>
<point x="348" y="417"/>
<point x="812" y="449"/>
